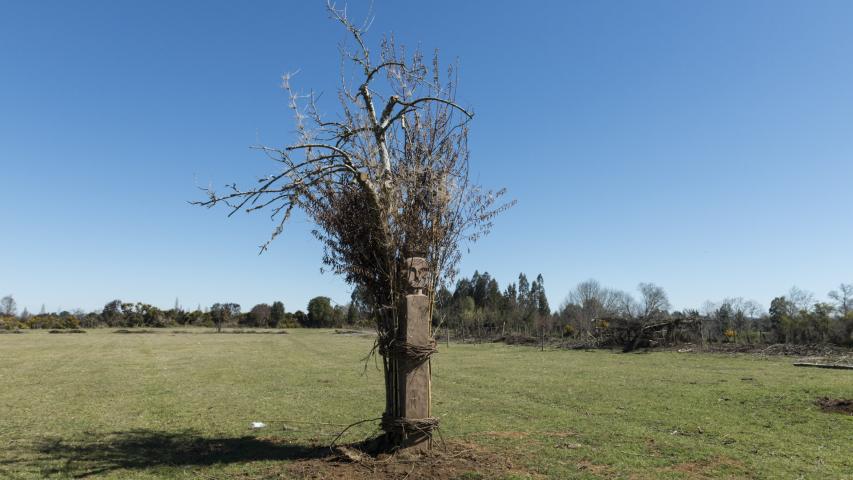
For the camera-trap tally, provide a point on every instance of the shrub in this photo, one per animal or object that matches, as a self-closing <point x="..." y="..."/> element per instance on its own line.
<point x="10" y="323"/>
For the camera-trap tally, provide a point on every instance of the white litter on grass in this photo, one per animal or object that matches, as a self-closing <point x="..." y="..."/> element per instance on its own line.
<point x="256" y="425"/>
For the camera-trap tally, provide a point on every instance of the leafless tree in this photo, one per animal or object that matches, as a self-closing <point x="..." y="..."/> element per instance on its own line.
<point x="594" y="302"/>
<point x="636" y="320"/>
<point x="385" y="180"/>
<point x="654" y="302"/>
<point x="843" y="298"/>
<point x="591" y="293"/>
<point x="744" y="312"/>
<point x="625" y="305"/>
<point x="543" y="324"/>
<point x="8" y="306"/>
<point x="800" y="299"/>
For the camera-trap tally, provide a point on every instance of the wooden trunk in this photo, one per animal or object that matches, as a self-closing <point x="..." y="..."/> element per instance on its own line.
<point x="413" y="378"/>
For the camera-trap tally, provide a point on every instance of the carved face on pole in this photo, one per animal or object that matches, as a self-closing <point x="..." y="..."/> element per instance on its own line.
<point x="417" y="274"/>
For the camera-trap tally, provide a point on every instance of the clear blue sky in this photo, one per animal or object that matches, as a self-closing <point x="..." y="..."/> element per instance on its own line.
<point x="703" y="146"/>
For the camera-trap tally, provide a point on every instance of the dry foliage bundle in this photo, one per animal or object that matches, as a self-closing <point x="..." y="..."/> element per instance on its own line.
<point x="385" y="180"/>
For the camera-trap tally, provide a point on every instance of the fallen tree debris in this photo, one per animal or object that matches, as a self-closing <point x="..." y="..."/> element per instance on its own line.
<point x="824" y="365"/>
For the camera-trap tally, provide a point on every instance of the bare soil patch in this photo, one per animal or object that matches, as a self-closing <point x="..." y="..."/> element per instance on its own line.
<point x="456" y="460"/>
<point x="597" y="470"/>
<point x="836" y="405"/>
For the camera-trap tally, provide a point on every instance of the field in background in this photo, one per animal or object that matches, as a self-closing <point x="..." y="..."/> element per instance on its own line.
<point x="179" y="405"/>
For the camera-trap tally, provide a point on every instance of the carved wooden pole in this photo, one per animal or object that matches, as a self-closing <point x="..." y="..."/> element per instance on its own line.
<point x="413" y="375"/>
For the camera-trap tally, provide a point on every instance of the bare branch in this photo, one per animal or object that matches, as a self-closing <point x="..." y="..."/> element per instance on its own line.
<point x="386" y="122"/>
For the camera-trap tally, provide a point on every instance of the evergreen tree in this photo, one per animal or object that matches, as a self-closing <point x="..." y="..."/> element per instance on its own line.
<point x="112" y="314"/>
<point x="479" y="283"/>
<point x="523" y="292"/>
<point x="532" y="302"/>
<point x="541" y="299"/>
<point x="779" y="317"/>
<point x="510" y="300"/>
<point x="320" y="312"/>
<point x="359" y="307"/>
<point x="493" y="295"/>
<point x="276" y="314"/>
<point x="464" y="288"/>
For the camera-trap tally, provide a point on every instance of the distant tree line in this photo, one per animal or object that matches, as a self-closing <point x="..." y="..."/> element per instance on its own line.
<point x="478" y="308"/>
<point x="118" y="314"/>
<point x="590" y="310"/>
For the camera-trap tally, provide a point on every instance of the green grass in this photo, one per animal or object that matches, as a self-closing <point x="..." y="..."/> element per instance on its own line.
<point x="179" y="406"/>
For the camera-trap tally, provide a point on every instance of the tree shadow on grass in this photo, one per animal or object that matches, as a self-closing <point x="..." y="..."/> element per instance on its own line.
<point x="146" y="449"/>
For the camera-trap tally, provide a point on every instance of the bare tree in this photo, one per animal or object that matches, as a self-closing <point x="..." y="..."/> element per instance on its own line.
<point x="594" y="302"/>
<point x="654" y="301"/>
<point x="743" y="313"/>
<point x="635" y="321"/>
<point x="800" y="299"/>
<point x="843" y="298"/>
<point x="8" y="306"/>
<point x="385" y="180"/>
<point x="591" y="295"/>
<point x="625" y="305"/>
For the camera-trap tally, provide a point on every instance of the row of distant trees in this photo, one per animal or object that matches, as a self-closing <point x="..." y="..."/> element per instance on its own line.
<point x="478" y="307"/>
<point x="119" y="314"/>
<point x="796" y="317"/>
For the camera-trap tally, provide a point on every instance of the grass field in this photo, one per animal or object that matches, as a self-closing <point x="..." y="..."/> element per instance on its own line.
<point x="179" y="406"/>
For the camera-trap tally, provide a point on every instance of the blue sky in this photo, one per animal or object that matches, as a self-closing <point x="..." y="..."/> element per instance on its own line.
<point x="703" y="146"/>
